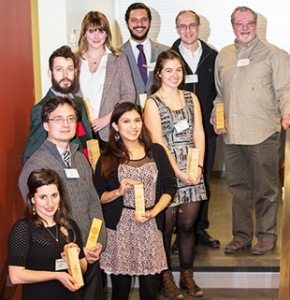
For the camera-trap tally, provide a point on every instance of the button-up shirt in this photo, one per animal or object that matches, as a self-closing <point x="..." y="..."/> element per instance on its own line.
<point x="253" y="82"/>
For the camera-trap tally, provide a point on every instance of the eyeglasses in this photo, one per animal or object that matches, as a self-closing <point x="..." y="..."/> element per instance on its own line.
<point x="184" y="27"/>
<point x="249" y="24"/>
<point x="61" y="120"/>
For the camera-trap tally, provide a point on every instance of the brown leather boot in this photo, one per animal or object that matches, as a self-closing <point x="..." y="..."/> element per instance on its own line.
<point x="168" y="286"/>
<point x="187" y="283"/>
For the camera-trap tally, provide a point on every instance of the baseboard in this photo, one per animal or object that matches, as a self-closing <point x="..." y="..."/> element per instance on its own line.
<point x="229" y="280"/>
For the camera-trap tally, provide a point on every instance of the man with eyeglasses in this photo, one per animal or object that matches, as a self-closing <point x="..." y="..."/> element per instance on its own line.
<point x="253" y="83"/>
<point x="138" y="19"/>
<point x="59" y="116"/>
<point x="199" y="60"/>
<point x="62" y="72"/>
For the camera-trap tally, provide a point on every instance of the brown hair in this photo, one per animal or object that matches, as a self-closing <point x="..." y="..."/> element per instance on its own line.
<point x="98" y="19"/>
<point x="37" y="179"/>
<point x="116" y="152"/>
<point x="160" y="62"/>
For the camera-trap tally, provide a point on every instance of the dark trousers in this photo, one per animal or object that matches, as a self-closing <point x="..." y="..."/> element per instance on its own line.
<point x="93" y="288"/>
<point x="148" y="286"/>
<point x="102" y="144"/>
<point x="253" y="179"/>
<point x="202" y="222"/>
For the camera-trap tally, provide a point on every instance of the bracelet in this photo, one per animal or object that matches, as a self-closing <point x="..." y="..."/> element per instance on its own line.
<point x="200" y="167"/>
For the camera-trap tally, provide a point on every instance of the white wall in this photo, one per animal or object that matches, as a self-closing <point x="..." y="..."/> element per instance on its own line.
<point x="215" y="19"/>
<point x="57" y="19"/>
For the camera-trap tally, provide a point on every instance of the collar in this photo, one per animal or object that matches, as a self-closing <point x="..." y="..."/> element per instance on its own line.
<point x="247" y="46"/>
<point x="60" y="150"/>
<point x="73" y="147"/>
<point x="70" y="95"/>
<point x="134" y="43"/>
<point x="185" y="50"/>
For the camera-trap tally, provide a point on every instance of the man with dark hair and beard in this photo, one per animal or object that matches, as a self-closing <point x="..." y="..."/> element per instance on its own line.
<point x="62" y="72"/>
<point x="138" y="19"/>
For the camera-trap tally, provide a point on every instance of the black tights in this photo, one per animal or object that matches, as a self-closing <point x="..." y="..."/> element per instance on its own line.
<point x="183" y="218"/>
<point x="148" y="286"/>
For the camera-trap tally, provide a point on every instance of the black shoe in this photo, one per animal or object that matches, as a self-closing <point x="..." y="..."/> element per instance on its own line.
<point x="203" y="238"/>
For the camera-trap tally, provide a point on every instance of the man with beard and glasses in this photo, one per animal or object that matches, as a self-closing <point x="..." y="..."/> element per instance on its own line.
<point x="138" y="19"/>
<point x="62" y="72"/>
<point x="253" y="83"/>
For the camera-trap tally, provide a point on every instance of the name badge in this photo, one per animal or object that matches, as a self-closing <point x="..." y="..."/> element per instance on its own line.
<point x="151" y="66"/>
<point x="181" y="125"/>
<point x="143" y="98"/>
<point x="72" y="173"/>
<point x="243" y="62"/>
<point x="60" y="264"/>
<point x="193" y="78"/>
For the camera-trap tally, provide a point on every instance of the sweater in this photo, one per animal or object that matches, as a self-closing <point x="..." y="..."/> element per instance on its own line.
<point x="84" y="201"/>
<point x="166" y="184"/>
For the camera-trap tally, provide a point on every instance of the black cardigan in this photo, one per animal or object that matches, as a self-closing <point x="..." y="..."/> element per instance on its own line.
<point x="166" y="184"/>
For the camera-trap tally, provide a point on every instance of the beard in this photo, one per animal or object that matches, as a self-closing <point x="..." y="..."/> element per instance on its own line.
<point x="68" y="88"/>
<point x="137" y="37"/>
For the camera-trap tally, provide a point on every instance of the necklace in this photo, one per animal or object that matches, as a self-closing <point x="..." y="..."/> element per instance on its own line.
<point x="95" y="59"/>
<point x="56" y="233"/>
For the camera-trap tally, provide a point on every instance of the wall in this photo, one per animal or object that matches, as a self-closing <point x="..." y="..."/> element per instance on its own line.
<point x="57" y="19"/>
<point x="16" y="81"/>
<point x="215" y="25"/>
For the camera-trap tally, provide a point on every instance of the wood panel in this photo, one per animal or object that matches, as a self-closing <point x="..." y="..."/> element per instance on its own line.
<point x="284" y="280"/>
<point x="16" y="86"/>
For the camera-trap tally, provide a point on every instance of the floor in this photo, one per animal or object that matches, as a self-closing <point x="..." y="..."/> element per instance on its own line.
<point x="214" y="260"/>
<point x="221" y="294"/>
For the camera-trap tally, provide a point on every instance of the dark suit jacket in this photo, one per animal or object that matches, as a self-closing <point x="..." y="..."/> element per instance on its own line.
<point x="37" y="133"/>
<point x="156" y="49"/>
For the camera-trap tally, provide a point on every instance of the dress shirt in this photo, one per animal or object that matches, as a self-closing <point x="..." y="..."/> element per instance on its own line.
<point x="92" y="84"/>
<point x="192" y="59"/>
<point x="146" y="48"/>
<point x="256" y="94"/>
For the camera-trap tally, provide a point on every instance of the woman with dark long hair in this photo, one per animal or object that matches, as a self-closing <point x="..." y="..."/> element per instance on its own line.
<point x="134" y="240"/>
<point x="37" y="242"/>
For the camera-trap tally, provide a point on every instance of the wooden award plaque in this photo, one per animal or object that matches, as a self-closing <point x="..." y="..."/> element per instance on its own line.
<point x="139" y="198"/>
<point x="94" y="233"/>
<point x="74" y="266"/>
<point x="192" y="162"/>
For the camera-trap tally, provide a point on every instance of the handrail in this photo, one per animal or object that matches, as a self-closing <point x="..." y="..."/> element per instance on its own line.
<point x="284" y="279"/>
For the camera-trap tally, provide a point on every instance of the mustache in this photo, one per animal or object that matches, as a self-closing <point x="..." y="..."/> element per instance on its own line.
<point x="141" y="27"/>
<point x="65" y="79"/>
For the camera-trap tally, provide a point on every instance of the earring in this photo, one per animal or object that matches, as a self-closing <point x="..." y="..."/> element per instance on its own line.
<point x="140" y="137"/>
<point x="33" y="210"/>
<point x="117" y="136"/>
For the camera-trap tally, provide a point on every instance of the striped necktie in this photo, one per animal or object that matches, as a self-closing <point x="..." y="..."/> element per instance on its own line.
<point x="66" y="157"/>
